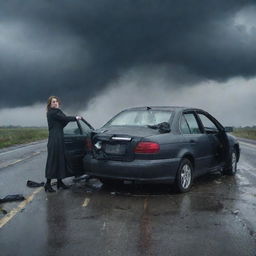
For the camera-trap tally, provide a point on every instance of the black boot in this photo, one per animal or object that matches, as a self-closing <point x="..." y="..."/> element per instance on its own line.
<point x="60" y="184"/>
<point x="48" y="188"/>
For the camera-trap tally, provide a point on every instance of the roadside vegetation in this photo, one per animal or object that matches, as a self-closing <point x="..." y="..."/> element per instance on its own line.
<point x="18" y="135"/>
<point x="245" y="132"/>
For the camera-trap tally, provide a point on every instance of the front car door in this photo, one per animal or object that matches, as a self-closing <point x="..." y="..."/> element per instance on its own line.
<point x="76" y="137"/>
<point x="216" y="135"/>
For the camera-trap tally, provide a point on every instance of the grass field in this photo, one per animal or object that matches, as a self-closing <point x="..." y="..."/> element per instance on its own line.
<point x="248" y="133"/>
<point x="13" y="136"/>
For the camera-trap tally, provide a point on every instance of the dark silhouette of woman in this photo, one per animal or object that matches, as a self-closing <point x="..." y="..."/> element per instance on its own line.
<point x="56" y="166"/>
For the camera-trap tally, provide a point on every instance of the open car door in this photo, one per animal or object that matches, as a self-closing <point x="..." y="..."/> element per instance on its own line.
<point x="76" y="135"/>
<point x="217" y="137"/>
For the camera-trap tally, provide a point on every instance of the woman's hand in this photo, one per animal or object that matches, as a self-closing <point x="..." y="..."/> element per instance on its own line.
<point x="78" y="117"/>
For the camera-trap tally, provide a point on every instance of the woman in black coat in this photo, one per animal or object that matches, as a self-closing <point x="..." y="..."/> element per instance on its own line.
<point x="56" y="166"/>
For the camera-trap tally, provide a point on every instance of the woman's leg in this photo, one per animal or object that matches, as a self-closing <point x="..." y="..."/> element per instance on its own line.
<point x="60" y="184"/>
<point x="48" y="186"/>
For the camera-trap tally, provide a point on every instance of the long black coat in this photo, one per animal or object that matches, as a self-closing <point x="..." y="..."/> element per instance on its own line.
<point x="57" y="166"/>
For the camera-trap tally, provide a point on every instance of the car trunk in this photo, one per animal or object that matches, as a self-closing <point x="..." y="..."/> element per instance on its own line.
<point x="118" y="143"/>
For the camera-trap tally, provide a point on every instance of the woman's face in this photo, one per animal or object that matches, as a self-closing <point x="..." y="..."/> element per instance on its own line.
<point x="54" y="103"/>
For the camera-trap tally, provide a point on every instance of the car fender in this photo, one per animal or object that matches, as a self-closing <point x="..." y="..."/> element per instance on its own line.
<point x="184" y="153"/>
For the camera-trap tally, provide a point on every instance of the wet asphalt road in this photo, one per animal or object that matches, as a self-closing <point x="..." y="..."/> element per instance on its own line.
<point x="217" y="217"/>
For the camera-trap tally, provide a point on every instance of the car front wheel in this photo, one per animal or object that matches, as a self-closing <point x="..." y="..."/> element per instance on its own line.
<point x="184" y="176"/>
<point x="232" y="166"/>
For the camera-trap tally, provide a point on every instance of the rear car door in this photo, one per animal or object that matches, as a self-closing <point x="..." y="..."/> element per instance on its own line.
<point x="76" y="137"/>
<point x="198" y="142"/>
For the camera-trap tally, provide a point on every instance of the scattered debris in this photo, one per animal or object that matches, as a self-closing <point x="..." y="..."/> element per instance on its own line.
<point x="3" y="211"/>
<point x="235" y="212"/>
<point x="34" y="184"/>
<point x="82" y="177"/>
<point x="86" y="202"/>
<point x="11" y="198"/>
<point x="122" y="208"/>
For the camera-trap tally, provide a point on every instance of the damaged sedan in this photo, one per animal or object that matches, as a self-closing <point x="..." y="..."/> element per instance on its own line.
<point x="161" y="144"/>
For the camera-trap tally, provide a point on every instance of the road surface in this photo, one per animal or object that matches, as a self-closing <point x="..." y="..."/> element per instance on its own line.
<point x="217" y="217"/>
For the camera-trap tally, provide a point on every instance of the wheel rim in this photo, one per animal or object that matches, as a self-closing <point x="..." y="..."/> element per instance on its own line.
<point x="234" y="162"/>
<point x="185" y="176"/>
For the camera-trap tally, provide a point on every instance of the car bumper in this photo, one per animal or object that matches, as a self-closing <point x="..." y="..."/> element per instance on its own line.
<point x="140" y="170"/>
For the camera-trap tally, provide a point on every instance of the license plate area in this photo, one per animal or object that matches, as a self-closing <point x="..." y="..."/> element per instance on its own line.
<point x="115" y="149"/>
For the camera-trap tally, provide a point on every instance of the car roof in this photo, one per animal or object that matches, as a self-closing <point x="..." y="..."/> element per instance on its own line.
<point x="171" y="108"/>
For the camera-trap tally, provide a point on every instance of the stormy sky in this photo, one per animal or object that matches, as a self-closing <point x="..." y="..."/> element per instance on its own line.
<point x="102" y="56"/>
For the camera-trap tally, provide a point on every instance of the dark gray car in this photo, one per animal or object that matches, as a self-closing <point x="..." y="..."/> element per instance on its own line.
<point x="173" y="144"/>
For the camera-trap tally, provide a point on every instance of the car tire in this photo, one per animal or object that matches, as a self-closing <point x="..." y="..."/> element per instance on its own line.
<point x="231" y="168"/>
<point x="184" y="177"/>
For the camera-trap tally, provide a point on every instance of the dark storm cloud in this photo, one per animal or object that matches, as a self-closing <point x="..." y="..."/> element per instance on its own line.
<point x="74" y="49"/>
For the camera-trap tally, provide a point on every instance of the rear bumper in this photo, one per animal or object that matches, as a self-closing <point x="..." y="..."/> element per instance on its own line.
<point x="140" y="170"/>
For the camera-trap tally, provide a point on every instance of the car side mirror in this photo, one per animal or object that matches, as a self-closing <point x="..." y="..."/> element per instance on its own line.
<point x="164" y="127"/>
<point x="229" y="129"/>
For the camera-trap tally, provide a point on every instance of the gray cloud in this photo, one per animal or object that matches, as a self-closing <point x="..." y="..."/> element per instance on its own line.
<point x="75" y="49"/>
<point x="232" y="103"/>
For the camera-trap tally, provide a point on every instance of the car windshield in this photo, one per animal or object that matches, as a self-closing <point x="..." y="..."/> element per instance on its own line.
<point x="140" y="118"/>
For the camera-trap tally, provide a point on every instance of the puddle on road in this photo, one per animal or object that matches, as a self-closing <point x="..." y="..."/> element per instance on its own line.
<point x="209" y="191"/>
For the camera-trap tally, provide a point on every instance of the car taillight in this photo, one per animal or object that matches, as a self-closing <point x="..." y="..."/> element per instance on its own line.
<point x="88" y="144"/>
<point x="147" y="148"/>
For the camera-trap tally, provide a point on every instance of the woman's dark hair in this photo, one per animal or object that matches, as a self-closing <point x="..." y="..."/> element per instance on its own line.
<point x="49" y="101"/>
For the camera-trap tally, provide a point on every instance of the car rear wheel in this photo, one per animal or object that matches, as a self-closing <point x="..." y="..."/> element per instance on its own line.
<point x="184" y="176"/>
<point x="232" y="166"/>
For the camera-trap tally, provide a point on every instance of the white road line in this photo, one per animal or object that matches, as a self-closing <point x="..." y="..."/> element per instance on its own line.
<point x="247" y="144"/>
<point x="103" y="226"/>
<point x="20" y="148"/>
<point x="20" y="207"/>
<point x="19" y="160"/>
<point x="86" y="202"/>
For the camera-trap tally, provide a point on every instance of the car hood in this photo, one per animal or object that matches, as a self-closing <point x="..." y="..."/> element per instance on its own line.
<point x="134" y="131"/>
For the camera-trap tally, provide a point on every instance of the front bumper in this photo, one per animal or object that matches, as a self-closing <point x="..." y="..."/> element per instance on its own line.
<point x="140" y="170"/>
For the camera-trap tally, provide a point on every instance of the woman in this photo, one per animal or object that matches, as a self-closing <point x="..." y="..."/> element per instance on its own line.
<point x="56" y="165"/>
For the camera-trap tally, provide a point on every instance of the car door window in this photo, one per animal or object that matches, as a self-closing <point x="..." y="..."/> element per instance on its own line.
<point x="71" y="129"/>
<point x="208" y="125"/>
<point x="184" y="126"/>
<point x="192" y="123"/>
<point x="85" y="128"/>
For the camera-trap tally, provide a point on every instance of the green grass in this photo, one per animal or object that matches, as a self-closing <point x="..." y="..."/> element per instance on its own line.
<point x="248" y="133"/>
<point x="13" y="136"/>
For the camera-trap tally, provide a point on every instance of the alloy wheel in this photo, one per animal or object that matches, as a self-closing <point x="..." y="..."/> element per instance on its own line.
<point x="234" y="162"/>
<point x="185" y="176"/>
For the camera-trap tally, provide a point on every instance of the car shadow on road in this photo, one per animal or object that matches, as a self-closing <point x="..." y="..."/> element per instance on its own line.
<point x="128" y="188"/>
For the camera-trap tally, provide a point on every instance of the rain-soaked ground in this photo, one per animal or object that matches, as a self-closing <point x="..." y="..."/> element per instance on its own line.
<point x="217" y="217"/>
